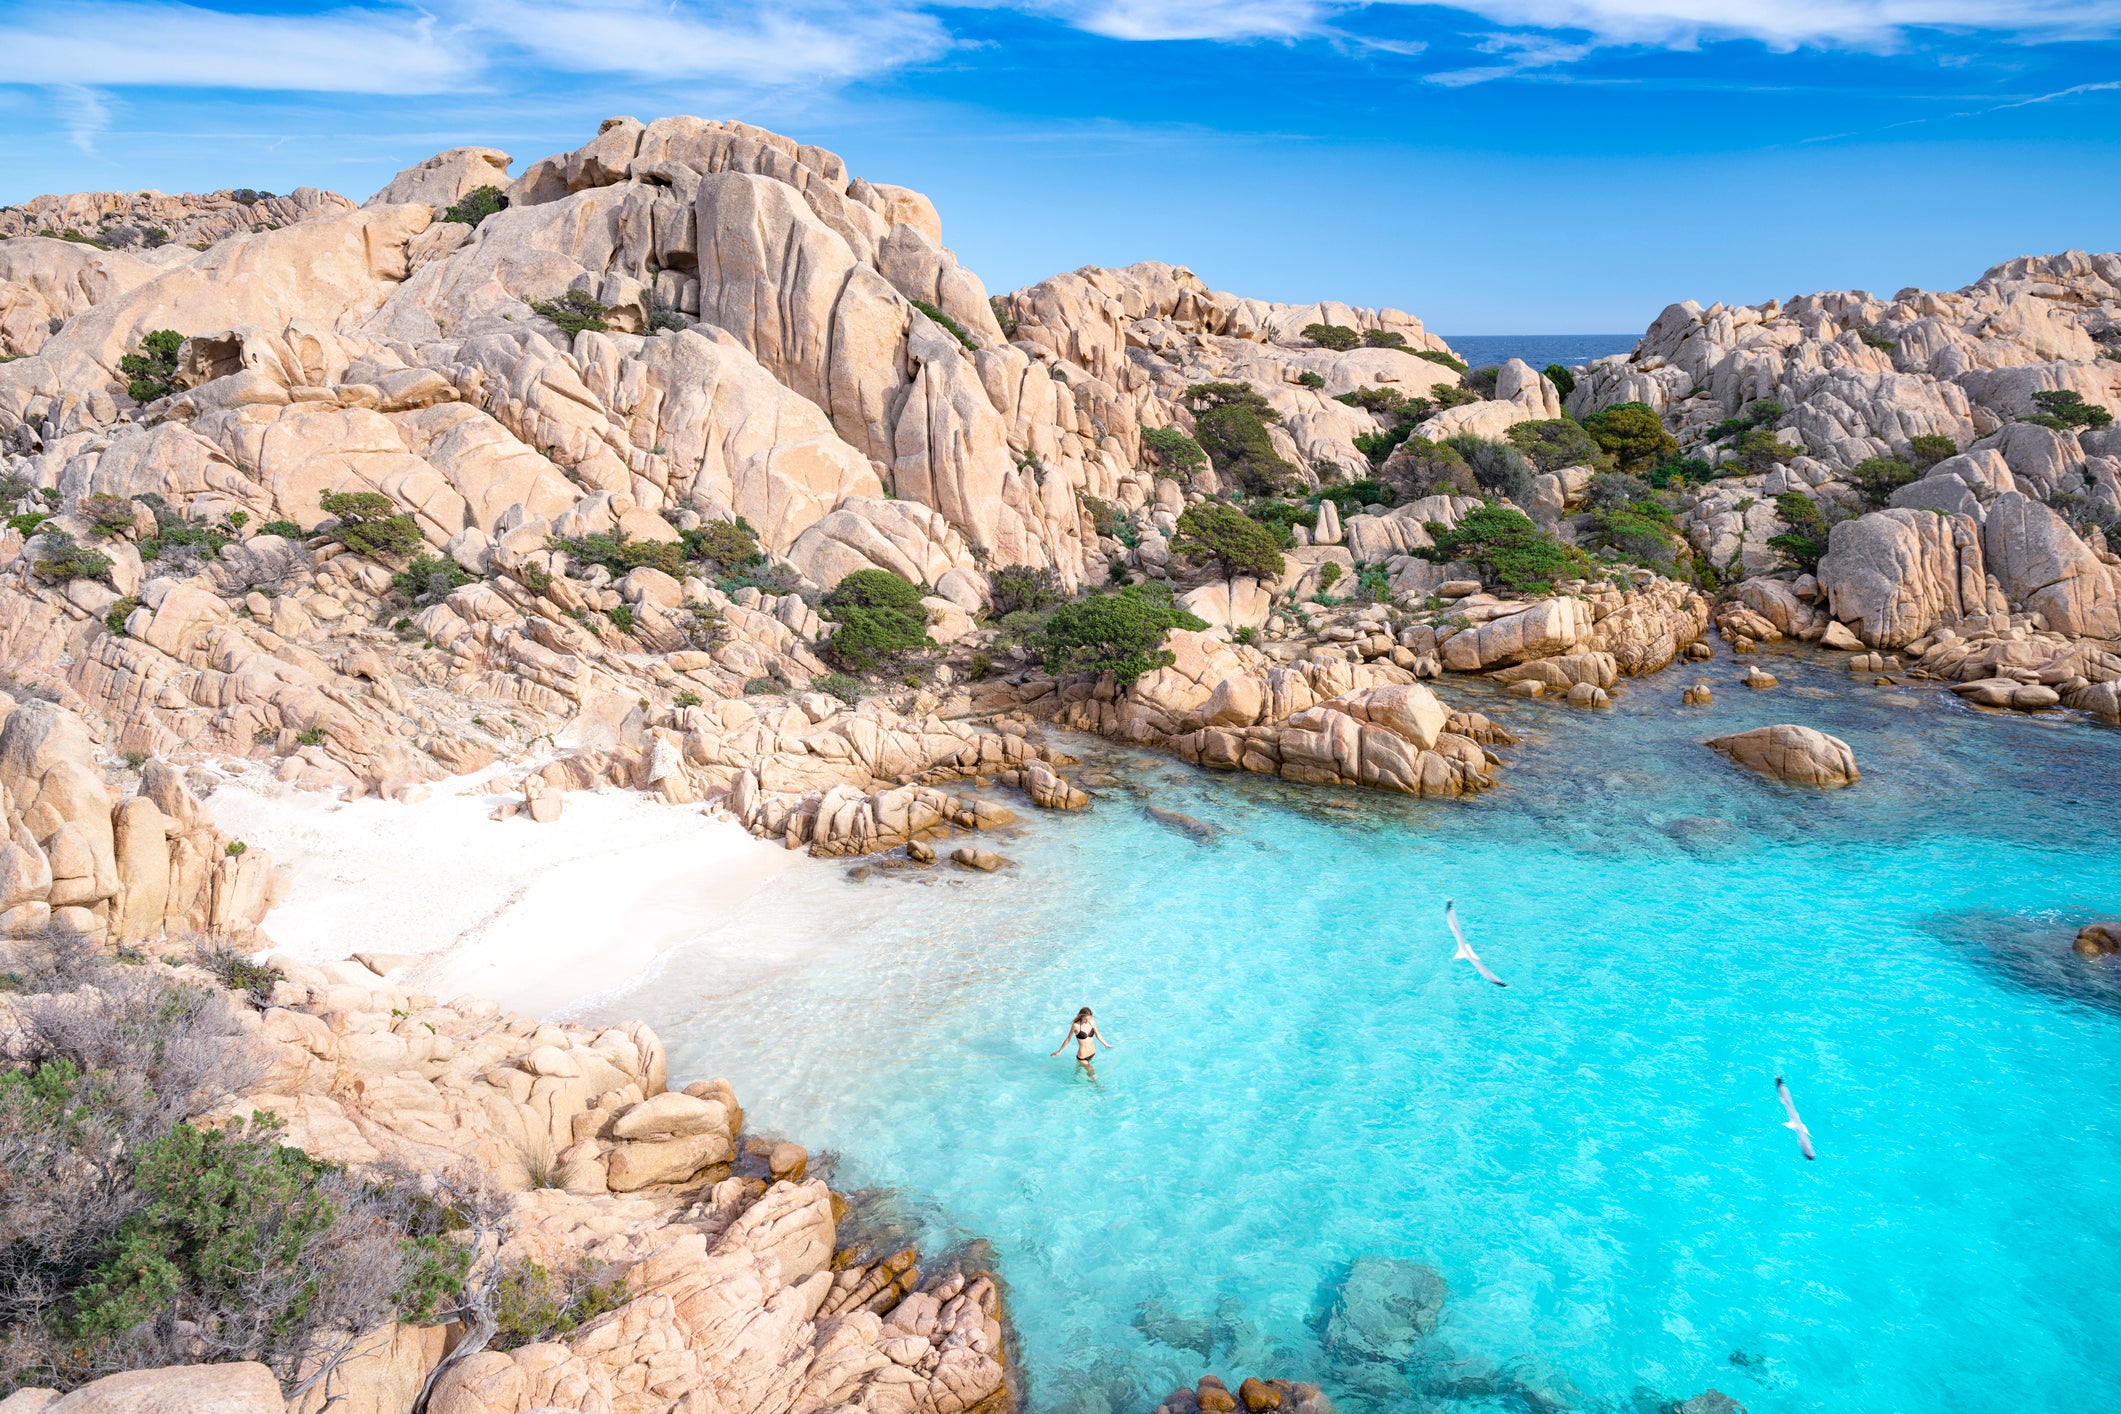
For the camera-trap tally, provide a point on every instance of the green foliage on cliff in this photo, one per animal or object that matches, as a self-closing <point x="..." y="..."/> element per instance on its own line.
<point x="1877" y="478"/>
<point x="1805" y="541"/>
<point x="1555" y="443"/>
<point x="1564" y="381"/>
<point x="2067" y="407"/>
<point x="476" y="205"/>
<point x="1451" y="395"/>
<point x="1497" y="467"/>
<point x="1510" y="550"/>
<point x="1337" y="337"/>
<point x="1119" y="633"/>
<point x="1352" y="496"/>
<point x="1385" y="339"/>
<point x="1023" y="589"/>
<point x="948" y="325"/>
<point x="65" y="559"/>
<point x="1760" y="450"/>
<point x="574" y="312"/>
<point x="727" y="547"/>
<point x="107" y="515"/>
<point x="1179" y="453"/>
<point x="151" y="373"/>
<point x="1929" y="449"/>
<point x="1439" y="356"/>
<point x="1230" y="424"/>
<point x="369" y="523"/>
<point x="880" y="621"/>
<point x="1428" y="468"/>
<point x="1308" y="379"/>
<point x="429" y="577"/>
<point x="1632" y="434"/>
<point x="1238" y="543"/>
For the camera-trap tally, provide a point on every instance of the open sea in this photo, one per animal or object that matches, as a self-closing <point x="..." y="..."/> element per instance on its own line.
<point x="1539" y="350"/>
<point x="1592" y="1161"/>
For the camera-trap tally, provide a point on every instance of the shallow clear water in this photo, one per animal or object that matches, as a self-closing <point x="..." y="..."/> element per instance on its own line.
<point x="1592" y="1159"/>
<point x="1539" y="350"/>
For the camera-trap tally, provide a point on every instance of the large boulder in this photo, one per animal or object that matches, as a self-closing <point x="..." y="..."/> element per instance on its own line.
<point x="1895" y="575"/>
<point x="1385" y="1308"/>
<point x="2042" y="564"/>
<point x="1546" y="630"/>
<point x="1800" y="755"/>
<point x="244" y="1387"/>
<point x="443" y="179"/>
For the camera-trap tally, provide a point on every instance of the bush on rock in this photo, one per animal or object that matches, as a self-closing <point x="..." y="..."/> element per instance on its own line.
<point x="1179" y="453"/>
<point x="1230" y="424"/>
<point x="1121" y="633"/>
<point x="370" y="523"/>
<point x="1506" y="545"/>
<point x="1554" y="443"/>
<point x="1337" y="337"/>
<point x="152" y="372"/>
<point x="1632" y="434"/>
<point x="476" y="205"/>
<point x="1238" y="543"/>
<point x="880" y="621"/>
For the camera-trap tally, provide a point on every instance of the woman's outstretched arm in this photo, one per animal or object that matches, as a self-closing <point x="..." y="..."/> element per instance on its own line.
<point x="1100" y="1035"/>
<point x="1064" y="1040"/>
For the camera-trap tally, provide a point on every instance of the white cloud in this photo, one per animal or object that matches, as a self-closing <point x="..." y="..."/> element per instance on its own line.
<point x="1189" y="19"/>
<point x="438" y="48"/>
<point x="1787" y="23"/>
<point x="86" y="113"/>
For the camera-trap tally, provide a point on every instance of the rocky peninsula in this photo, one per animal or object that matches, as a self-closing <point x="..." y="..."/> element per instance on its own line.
<point x="690" y="464"/>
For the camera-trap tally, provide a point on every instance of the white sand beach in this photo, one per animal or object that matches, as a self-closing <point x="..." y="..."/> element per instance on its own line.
<point x="533" y="916"/>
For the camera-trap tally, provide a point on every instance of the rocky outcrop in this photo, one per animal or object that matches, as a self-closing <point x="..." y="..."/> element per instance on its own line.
<point x="1786" y="752"/>
<point x="150" y="222"/>
<point x="1896" y="575"/>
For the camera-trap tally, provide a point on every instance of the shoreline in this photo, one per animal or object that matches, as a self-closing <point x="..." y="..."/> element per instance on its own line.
<point x="536" y="917"/>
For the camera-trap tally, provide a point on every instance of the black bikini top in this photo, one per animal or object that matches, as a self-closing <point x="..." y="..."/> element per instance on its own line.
<point x="1083" y="1034"/>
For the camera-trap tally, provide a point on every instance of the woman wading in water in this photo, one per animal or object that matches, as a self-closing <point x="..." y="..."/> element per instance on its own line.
<point x="1086" y="1036"/>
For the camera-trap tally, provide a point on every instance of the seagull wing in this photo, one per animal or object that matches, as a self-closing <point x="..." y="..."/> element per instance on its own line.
<point x="1793" y="1123"/>
<point x="1465" y="949"/>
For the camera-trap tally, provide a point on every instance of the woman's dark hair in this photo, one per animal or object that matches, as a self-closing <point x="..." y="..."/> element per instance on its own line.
<point x="1083" y="1013"/>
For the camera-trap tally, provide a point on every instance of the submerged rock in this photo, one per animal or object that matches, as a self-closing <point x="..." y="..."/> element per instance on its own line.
<point x="1385" y="1309"/>
<point x="2098" y="939"/>
<point x="1199" y="830"/>
<point x="1792" y="753"/>
<point x="1710" y="1402"/>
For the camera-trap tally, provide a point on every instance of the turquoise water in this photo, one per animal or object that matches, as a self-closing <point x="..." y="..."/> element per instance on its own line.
<point x="1592" y="1159"/>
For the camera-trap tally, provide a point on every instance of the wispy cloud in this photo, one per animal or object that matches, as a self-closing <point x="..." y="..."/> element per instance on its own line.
<point x="438" y="48"/>
<point x="2057" y="95"/>
<point x="85" y="112"/>
<point x="403" y="47"/>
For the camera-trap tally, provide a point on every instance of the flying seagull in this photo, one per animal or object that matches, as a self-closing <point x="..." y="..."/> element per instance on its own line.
<point x="1464" y="949"/>
<point x="1804" y="1136"/>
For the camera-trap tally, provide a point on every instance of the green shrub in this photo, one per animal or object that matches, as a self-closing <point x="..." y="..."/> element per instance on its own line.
<point x="662" y="315"/>
<point x="729" y="546"/>
<point x="880" y="621"/>
<point x="532" y="1304"/>
<point x="151" y="373"/>
<point x="1329" y="574"/>
<point x="1497" y="467"/>
<point x="1482" y="380"/>
<point x="27" y="522"/>
<point x="845" y="688"/>
<point x="1616" y="490"/>
<point x="315" y="736"/>
<point x="686" y="697"/>
<point x="949" y="326"/>
<point x="1433" y="468"/>
<point x="1680" y="471"/>
<point x="1554" y="444"/>
<point x="1279" y="516"/>
<point x="1632" y="434"/>
<point x="1120" y="632"/>
<point x="1379" y="446"/>
<point x="573" y="312"/>
<point x="235" y="971"/>
<point x="1338" y="337"/>
<point x="107" y="514"/>
<point x="1509" y="549"/>
<point x="235" y="848"/>
<point x="1929" y="449"/>
<point x="285" y="529"/>
<point x="429" y="577"/>
<point x="1003" y="315"/>
<point x="1238" y="543"/>
<point x="476" y="205"/>
<point x="1352" y="496"/>
<point x="621" y="616"/>
<point x="119" y="612"/>
<point x="1109" y="519"/>
<point x="1451" y="395"/>
<point x="1640" y="531"/>
<point x="1805" y="541"/>
<point x="369" y="523"/>
<point x="1308" y="379"/>
<point x="1439" y="356"/>
<point x="1760" y="450"/>
<point x="65" y="560"/>
<point x="1877" y="338"/>
<point x="1877" y="478"/>
<point x="1765" y="413"/>
<point x="1564" y="381"/>
<point x="1016" y="589"/>
<point x="1230" y="424"/>
<point x="1384" y="339"/>
<point x="2067" y="406"/>
<point x="618" y="554"/>
<point x="1178" y="452"/>
<point x="754" y="686"/>
<point x="1385" y="402"/>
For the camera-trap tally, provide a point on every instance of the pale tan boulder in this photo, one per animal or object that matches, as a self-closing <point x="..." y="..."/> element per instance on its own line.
<point x="1547" y="629"/>
<point x="672" y="1115"/>
<point x="445" y="178"/>
<point x="1230" y="604"/>
<point x="1800" y="755"/>
<point x="2043" y="564"/>
<point x="237" y="1388"/>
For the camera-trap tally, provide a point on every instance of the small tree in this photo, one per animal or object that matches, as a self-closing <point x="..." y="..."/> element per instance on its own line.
<point x="1632" y="434"/>
<point x="880" y="621"/>
<point x="152" y="372"/>
<point x="1426" y="468"/>
<point x="1554" y="444"/>
<point x="1759" y="450"/>
<point x="727" y="546"/>
<point x="476" y="205"/>
<point x="1337" y="337"/>
<point x="370" y="523"/>
<point x="1178" y="452"/>
<point x="2068" y="408"/>
<point x="1804" y="543"/>
<point x="1384" y="339"/>
<point x="1877" y="478"/>
<point x="1929" y="449"/>
<point x="1230" y="424"/>
<point x="1564" y="381"/>
<point x="1023" y="589"/>
<point x="1238" y="543"/>
<point x="574" y="312"/>
<point x="1119" y="633"/>
<point x="1497" y="467"/>
<point x="108" y="515"/>
<point x="65" y="559"/>
<point x="1509" y="549"/>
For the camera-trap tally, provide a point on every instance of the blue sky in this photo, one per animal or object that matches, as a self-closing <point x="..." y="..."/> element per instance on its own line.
<point x="1496" y="166"/>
